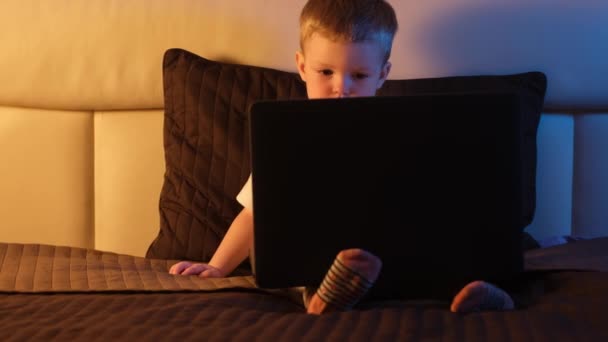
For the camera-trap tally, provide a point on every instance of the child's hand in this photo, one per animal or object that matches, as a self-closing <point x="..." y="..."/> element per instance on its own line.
<point x="200" y="269"/>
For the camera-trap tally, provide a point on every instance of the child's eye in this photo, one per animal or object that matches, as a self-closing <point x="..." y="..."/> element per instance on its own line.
<point x="360" y="76"/>
<point x="326" y="72"/>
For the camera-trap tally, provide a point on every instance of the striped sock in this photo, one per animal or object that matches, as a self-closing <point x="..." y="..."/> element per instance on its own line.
<point x="342" y="286"/>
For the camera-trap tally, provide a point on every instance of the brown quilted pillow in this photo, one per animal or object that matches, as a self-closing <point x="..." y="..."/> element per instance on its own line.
<point x="206" y="143"/>
<point x="206" y="140"/>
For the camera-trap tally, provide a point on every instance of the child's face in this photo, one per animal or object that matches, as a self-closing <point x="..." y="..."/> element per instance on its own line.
<point x="341" y="69"/>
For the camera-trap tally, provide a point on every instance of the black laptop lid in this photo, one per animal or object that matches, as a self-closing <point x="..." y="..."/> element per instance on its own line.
<point x="431" y="184"/>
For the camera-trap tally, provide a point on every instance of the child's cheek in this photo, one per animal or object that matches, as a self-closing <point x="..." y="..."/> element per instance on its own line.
<point x="318" y="89"/>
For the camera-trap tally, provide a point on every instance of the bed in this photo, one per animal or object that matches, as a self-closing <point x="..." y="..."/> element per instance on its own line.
<point x="67" y="293"/>
<point x="125" y="144"/>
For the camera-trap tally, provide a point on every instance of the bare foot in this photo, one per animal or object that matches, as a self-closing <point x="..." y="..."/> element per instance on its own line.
<point x="353" y="272"/>
<point x="479" y="296"/>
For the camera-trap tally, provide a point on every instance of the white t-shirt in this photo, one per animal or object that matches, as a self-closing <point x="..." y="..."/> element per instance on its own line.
<point x="245" y="197"/>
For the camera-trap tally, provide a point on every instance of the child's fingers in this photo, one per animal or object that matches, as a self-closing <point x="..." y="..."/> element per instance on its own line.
<point x="179" y="267"/>
<point x="195" y="269"/>
<point x="188" y="268"/>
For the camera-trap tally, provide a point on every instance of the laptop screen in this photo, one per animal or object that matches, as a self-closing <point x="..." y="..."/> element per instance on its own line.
<point x="431" y="184"/>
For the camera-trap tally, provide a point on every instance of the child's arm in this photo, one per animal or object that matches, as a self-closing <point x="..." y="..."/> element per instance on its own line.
<point x="236" y="245"/>
<point x="233" y="250"/>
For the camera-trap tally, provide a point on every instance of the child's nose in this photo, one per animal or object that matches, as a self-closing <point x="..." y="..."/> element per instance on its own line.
<point x="342" y="86"/>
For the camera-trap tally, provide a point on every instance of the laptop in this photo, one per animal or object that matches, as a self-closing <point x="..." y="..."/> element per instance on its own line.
<point x="429" y="183"/>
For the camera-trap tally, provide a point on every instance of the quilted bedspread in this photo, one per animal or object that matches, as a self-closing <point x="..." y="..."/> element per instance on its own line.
<point x="64" y="293"/>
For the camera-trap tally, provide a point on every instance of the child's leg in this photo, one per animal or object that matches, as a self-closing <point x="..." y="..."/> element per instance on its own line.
<point x="352" y="274"/>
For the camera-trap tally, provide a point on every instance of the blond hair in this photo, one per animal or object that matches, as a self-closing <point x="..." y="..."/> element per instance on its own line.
<point x="350" y="21"/>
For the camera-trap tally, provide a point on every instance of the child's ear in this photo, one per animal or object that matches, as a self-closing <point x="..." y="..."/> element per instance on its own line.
<point x="384" y="74"/>
<point x="300" y="64"/>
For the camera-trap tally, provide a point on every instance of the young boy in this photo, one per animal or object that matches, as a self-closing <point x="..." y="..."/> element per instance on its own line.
<point x="345" y="46"/>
